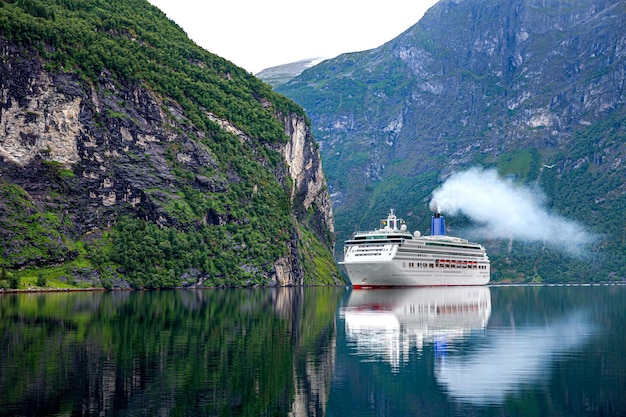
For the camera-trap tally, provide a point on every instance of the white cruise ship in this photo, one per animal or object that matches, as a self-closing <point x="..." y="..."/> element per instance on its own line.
<point x="391" y="256"/>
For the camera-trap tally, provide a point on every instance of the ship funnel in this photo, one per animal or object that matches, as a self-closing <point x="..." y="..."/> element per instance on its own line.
<point x="438" y="225"/>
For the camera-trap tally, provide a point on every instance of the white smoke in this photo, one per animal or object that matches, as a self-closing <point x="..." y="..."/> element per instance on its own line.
<point x="503" y="209"/>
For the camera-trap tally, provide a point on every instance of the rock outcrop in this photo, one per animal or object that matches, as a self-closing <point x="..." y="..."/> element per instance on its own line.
<point x="90" y="152"/>
<point x="305" y="169"/>
<point x="511" y="84"/>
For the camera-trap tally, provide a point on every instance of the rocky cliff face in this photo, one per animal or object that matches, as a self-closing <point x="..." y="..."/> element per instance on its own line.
<point x="305" y="169"/>
<point x="89" y="153"/>
<point x="511" y="84"/>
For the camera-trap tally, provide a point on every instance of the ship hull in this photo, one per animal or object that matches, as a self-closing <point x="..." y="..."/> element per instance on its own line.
<point x="392" y="274"/>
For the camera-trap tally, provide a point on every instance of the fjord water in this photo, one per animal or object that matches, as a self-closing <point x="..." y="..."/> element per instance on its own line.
<point x="515" y="351"/>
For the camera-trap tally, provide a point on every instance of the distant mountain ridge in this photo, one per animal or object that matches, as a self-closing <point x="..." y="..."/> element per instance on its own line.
<point x="497" y="83"/>
<point x="280" y="74"/>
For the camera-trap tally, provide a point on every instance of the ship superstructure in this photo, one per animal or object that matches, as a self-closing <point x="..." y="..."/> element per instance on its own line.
<point x="392" y="256"/>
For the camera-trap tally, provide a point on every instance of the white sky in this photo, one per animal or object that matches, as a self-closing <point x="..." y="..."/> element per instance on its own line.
<point x="257" y="34"/>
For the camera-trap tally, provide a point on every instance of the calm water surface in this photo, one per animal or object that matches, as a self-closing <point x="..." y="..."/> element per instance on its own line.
<point x="466" y="351"/>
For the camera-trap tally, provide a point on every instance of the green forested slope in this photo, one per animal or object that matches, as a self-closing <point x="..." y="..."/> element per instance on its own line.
<point x="513" y="85"/>
<point x="135" y="42"/>
<point x="189" y="202"/>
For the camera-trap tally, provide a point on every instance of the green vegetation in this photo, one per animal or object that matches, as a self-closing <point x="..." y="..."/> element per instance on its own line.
<point x="395" y="121"/>
<point x="520" y="162"/>
<point x="41" y="280"/>
<point x="137" y="43"/>
<point x="319" y="265"/>
<point x="229" y="236"/>
<point x="8" y="280"/>
<point x="39" y="236"/>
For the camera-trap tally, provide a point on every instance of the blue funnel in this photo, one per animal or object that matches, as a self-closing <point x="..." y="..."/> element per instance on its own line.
<point x="438" y="225"/>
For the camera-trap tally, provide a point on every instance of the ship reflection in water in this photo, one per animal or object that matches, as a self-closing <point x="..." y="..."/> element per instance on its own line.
<point x="472" y="363"/>
<point x="384" y="324"/>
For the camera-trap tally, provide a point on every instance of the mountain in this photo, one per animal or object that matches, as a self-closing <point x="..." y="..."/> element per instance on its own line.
<point x="131" y="157"/>
<point x="279" y="75"/>
<point x="531" y="88"/>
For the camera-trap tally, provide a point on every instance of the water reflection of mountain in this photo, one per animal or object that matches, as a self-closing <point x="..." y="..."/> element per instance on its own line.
<point x="313" y="360"/>
<point x="209" y="352"/>
<point x="384" y="324"/>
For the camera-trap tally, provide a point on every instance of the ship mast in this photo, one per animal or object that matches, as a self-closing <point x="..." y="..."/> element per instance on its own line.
<point x="392" y="221"/>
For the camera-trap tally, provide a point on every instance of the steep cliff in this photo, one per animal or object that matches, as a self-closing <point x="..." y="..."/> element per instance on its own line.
<point x="130" y="156"/>
<point x="534" y="88"/>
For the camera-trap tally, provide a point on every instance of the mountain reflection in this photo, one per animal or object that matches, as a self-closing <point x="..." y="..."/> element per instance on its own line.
<point x="384" y="324"/>
<point x="511" y="359"/>
<point x="177" y="353"/>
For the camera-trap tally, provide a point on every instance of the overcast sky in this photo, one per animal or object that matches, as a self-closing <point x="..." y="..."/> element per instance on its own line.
<point x="257" y="34"/>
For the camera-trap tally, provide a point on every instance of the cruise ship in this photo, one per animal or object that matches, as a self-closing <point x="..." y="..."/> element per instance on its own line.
<point x="392" y="256"/>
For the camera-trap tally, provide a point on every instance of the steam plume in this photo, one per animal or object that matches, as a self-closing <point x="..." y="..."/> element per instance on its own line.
<point x="503" y="209"/>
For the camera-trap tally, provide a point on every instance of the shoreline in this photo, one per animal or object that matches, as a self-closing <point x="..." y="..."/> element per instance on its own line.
<point x="97" y="289"/>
